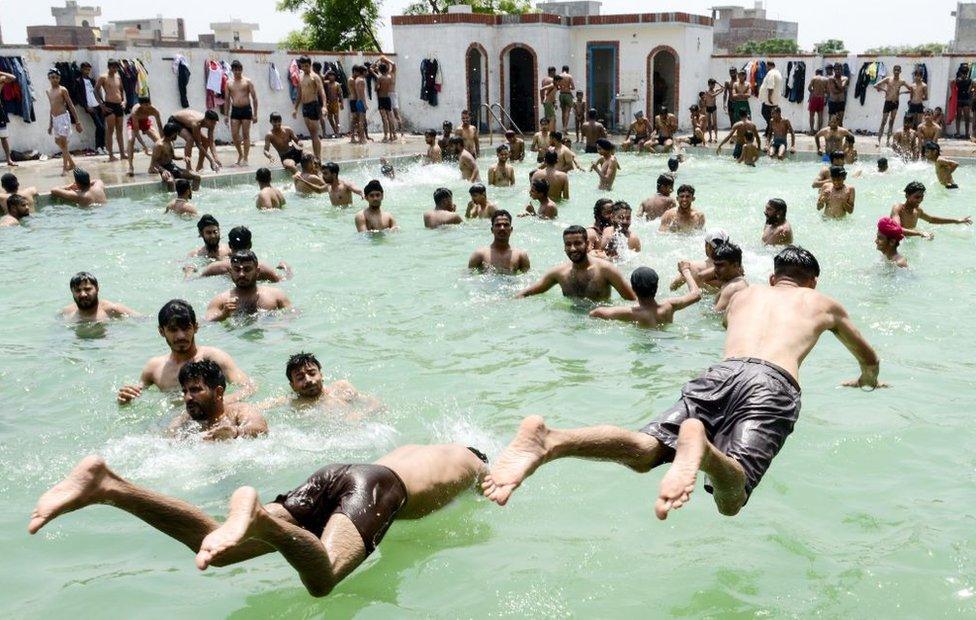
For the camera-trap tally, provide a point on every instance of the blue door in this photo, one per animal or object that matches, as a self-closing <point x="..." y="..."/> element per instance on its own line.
<point x="601" y="86"/>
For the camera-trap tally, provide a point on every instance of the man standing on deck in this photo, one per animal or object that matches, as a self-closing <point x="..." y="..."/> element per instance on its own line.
<point x="311" y="96"/>
<point x="770" y="94"/>
<point x="240" y="110"/>
<point x="566" y="88"/>
<point x="837" y="93"/>
<point x="818" y="100"/>
<point x="892" y="87"/>
<point x="111" y="96"/>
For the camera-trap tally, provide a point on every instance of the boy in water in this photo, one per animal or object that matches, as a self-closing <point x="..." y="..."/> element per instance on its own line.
<point x="479" y="206"/>
<point x="181" y="205"/>
<point x="750" y="152"/>
<point x="836" y="199"/>
<point x="62" y="117"/>
<point x="649" y="312"/>
<point x="711" y="109"/>
<point x="944" y="167"/>
<point x="607" y="166"/>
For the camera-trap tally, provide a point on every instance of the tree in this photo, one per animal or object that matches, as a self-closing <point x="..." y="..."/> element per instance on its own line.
<point x="898" y="50"/>
<point x="770" y="46"/>
<point x="491" y="7"/>
<point x="334" y="24"/>
<point x="830" y="46"/>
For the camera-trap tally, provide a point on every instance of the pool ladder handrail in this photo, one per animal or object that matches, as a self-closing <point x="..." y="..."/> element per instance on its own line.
<point x="490" y="108"/>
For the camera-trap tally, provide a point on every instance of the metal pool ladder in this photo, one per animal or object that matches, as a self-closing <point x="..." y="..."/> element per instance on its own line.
<point x="503" y="113"/>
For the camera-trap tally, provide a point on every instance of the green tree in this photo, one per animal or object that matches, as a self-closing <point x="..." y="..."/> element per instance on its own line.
<point x="897" y="50"/>
<point x="492" y="7"/>
<point x="334" y="24"/>
<point x="830" y="46"/>
<point x="770" y="46"/>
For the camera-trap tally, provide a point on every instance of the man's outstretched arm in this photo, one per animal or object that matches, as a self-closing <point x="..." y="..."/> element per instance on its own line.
<point x="859" y="347"/>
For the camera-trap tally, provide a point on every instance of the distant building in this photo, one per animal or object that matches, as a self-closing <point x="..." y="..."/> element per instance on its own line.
<point x="573" y="8"/>
<point x="965" y="15"/>
<point x="74" y="25"/>
<point x="735" y="25"/>
<point x="233" y="33"/>
<point x="157" y="29"/>
<point x="73" y="15"/>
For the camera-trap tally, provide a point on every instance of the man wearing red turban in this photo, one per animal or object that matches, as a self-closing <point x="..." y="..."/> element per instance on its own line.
<point x="890" y="234"/>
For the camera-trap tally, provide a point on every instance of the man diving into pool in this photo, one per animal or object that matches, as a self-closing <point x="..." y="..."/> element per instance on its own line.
<point x="325" y="528"/>
<point x="731" y="421"/>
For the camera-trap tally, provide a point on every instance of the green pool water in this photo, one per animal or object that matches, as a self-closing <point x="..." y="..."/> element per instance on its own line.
<point x="869" y="510"/>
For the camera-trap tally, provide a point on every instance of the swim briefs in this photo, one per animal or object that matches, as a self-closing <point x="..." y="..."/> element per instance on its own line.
<point x="384" y="103"/>
<point x="61" y="125"/>
<point x="779" y="142"/>
<point x="370" y="495"/>
<point x="550" y="109"/>
<point x="175" y="171"/>
<point x="241" y="113"/>
<point x="566" y="100"/>
<point x="294" y="154"/>
<point x="312" y="110"/>
<point x="710" y="108"/>
<point x="916" y="108"/>
<point x="748" y="407"/>
<point x="114" y="108"/>
<point x="890" y="106"/>
<point x="662" y="139"/>
<point x="835" y="107"/>
<point x="816" y="103"/>
<point x="359" y="106"/>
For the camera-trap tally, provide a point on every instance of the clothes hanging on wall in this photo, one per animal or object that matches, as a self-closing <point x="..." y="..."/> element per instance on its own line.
<point x="274" y="78"/>
<point x="920" y="66"/>
<point x="17" y="97"/>
<point x="294" y="79"/>
<point x="130" y="78"/>
<point x="429" y="70"/>
<point x="796" y="76"/>
<point x="215" y="74"/>
<point x="182" y="71"/>
<point x="869" y="74"/>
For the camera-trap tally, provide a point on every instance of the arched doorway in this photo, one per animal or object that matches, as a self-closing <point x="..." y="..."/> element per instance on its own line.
<point x="520" y="68"/>
<point x="476" y="70"/>
<point x="662" y="80"/>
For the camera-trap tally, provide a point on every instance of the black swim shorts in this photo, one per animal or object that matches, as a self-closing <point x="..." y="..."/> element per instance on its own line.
<point x="241" y="113"/>
<point x="114" y="109"/>
<point x="710" y="108"/>
<point x="834" y="107"/>
<point x="890" y="106"/>
<point x="662" y="139"/>
<point x="370" y="495"/>
<point x="176" y="121"/>
<point x="737" y="151"/>
<point x="175" y="171"/>
<point x="590" y="148"/>
<point x="312" y="110"/>
<point x="384" y="103"/>
<point x="916" y="108"/>
<point x="294" y="154"/>
<point x="748" y="407"/>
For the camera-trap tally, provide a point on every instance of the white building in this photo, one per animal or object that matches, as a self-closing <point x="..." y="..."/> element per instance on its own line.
<point x="151" y="30"/>
<point x="233" y="33"/>
<point x="965" y="39"/>
<point x="77" y="16"/>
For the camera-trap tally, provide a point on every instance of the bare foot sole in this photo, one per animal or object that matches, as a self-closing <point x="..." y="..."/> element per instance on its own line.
<point x="522" y="457"/>
<point x="242" y="520"/>
<point x="77" y="490"/>
<point x="678" y="484"/>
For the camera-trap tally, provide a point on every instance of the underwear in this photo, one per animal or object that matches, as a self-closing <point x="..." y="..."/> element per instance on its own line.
<point x="175" y="171"/>
<point x="114" y="108"/>
<point x="590" y="148"/>
<point x="916" y="108"/>
<point x="710" y="108"/>
<point x="175" y="121"/>
<point x="778" y="142"/>
<point x="566" y="100"/>
<point x="833" y="107"/>
<point x="293" y="154"/>
<point x="370" y="495"/>
<point x="312" y="110"/>
<point x="550" y="109"/>
<point x="817" y="103"/>
<point x="145" y="124"/>
<point x="241" y="113"/>
<point x="359" y="106"/>
<point x="384" y="103"/>
<point x="61" y="125"/>
<point x="694" y="141"/>
<point x="662" y="139"/>
<point x="890" y="106"/>
<point x="748" y="407"/>
<point x="332" y="107"/>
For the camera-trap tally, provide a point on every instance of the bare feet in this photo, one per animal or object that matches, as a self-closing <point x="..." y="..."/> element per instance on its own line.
<point x="522" y="457"/>
<point x="79" y="489"/>
<point x="678" y="484"/>
<point x="243" y="519"/>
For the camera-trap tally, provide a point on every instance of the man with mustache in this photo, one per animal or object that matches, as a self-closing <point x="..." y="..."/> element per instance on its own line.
<point x="777" y="230"/>
<point x="203" y="385"/>
<point x="87" y="306"/>
<point x="246" y="297"/>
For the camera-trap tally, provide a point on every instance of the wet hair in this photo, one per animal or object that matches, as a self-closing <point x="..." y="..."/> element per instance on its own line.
<point x="550" y="157"/>
<point x="207" y="371"/>
<point x="372" y="186"/>
<point x="509" y="132"/>
<point x="82" y="178"/>
<point x="598" y="207"/>
<point x="541" y="186"/>
<point x="779" y="204"/>
<point x="441" y="194"/>
<point x="80" y="278"/>
<point x="300" y="360"/>
<point x="331" y="166"/>
<point x="837" y="155"/>
<point x="673" y="163"/>
<point x="556" y="135"/>
<point x="502" y="147"/>
<point x="621" y="205"/>
<point x="914" y="187"/>
<point x="16" y="200"/>
<point x="171" y="129"/>
<point x="838" y="172"/>
<point x="795" y="263"/>
<point x="591" y="114"/>
<point x="431" y="132"/>
<point x="302" y="60"/>
<point x="686" y="188"/>
<point x="308" y="159"/>
<point x="932" y="146"/>
<point x="236" y="64"/>
<point x="605" y="144"/>
<point x="500" y="213"/>
<point x="849" y="138"/>
<point x="243" y="256"/>
<point x="211" y="115"/>
<point x="575" y="229"/>
<point x="177" y="311"/>
<point x="274" y="117"/>
<point x="10" y="183"/>
<point x="455" y="140"/>
<point x="644" y="281"/>
<point x="206" y="220"/>
<point x="882" y="162"/>
<point x="728" y="252"/>
<point x="263" y="175"/>
<point x="477" y="188"/>
<point x="182" y="186"/>
<point x="239" y="238"/>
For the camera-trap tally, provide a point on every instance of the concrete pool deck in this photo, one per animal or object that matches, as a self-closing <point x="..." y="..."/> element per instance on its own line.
<point x="45" y="175"/>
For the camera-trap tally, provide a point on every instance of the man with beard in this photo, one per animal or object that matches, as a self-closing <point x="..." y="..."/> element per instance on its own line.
<point x="246" y="297"/>
<point x="500" y="256"/>
<point x="777" y="230"/>
<point x="908" y="213"/>
<point x="340" y="192"/>
<point x="619" y="231"/>
<point x="373" y="218"/>
<point x="304" y="373"/>
<point x="17" y="210"/>
<point x="658" y="204"/>
<point x="582" y="276"/>
<point x="729" y="273"/>
<point x="178" y="326"/>
<point x="209" y="230"/>
<point x="87" y="306"/>
<point x="203" y="385"/>
<point x="649" y="312"/>
<point x="239" y="239"/>
<point x="602" y="215"/>
<point x="11" y="185"/>
<point x="684" y="217"/>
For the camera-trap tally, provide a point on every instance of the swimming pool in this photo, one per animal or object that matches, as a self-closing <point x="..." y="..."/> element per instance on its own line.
<point x="868" y="509"/>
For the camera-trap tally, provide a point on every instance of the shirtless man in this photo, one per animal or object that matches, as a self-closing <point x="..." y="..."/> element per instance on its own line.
<point x="641" y="128"/>
<point x="837" y="93"/>
<point x="683" y="218"/>
<point x="17" y="209"/>
<point x="731" y="278"/>
<point x="919" y="92"/>
<point x="111" y="97"/>
<point x="850" y="150"/>
<point x="836" y="199"/>
<point x="285" y="143"/>
<point x="308" y="180"/>
<point x="479" y="206"/>
<point x="704" y="271"/>
<point x="181" y="205"/>
<point x="780" y="128"/>
<point x="304" y="373"/>
<point x="333" y="101"/>
<point x="444" y="212"/>
<point x="516" y="146"/>
<point x="240" y="110"/>
<point x="579" y="113"/>
<point x="444" y="141"/>
<point x="469" y="134"/>
<point x="649" y="312"/>
<point x="893" y="87"/>
<point x="384" y="71"/>
<point x="592" y="131"/>
<point x="246" y="297"/>
<point x="738" y="134"/>
<point x="727" y="96"/>
<point x="777" y="230"/>
<point x="467" y="164"/>
<point x="190" y="126"/>
<point x="711" y="110"/>
<point x="566" y="87"/>
<point x="178" y="326"/>
<point x="602" y="219"/>
<point x="928" y="130"/>
<point x="209" y="230"/>
<point x="557" y="180"/>
<point x="6" y="78"/>
<point x="207" y="413"/>
<point x="62" y="118"/>
<point x="502" y="174"/>
<point x="735" y="417"/>
<point x="310" y="100"/>
<point x="269" y="196"/>
<point x="139" y="123"/>
<point x="565" y="159"/>
<point x="239" y="240"/>
<point x="619" y="232"/>
<point x="944" y="167"/>
<point x="539" y="191"/>
<point x="540" y="140"/>
<point x="163" y="156"/>
<point x="655" y="206"/>
<point x="87" y="307"/>
<point x="340" y="192"/>
<point x="837" y="158"/>
<point x="833" y="136"/>
<point x="889" y="236"/>
<point x="500" y="256"/>
<point x="547" y="94"/>
<point x="358" y="106"/>
<point x="433" y="155"/>
<point x="582" y="276"/>
<point x="665" y="125"/>
<point x="905" y="141"/>
<point x="606" y="167"/>
<point x="699" y="127"/>
<point x="739" y="99"/>
<point x="818" y="100"/>
<point x="909" y="212"/>
<point x="10" y="185"/>
<point x="325" y="528"/>
<point x="373" y="218"/>
<point x="964" y="90"/>
<point x="83" y="192"/>
<point x="750" y="151"/>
